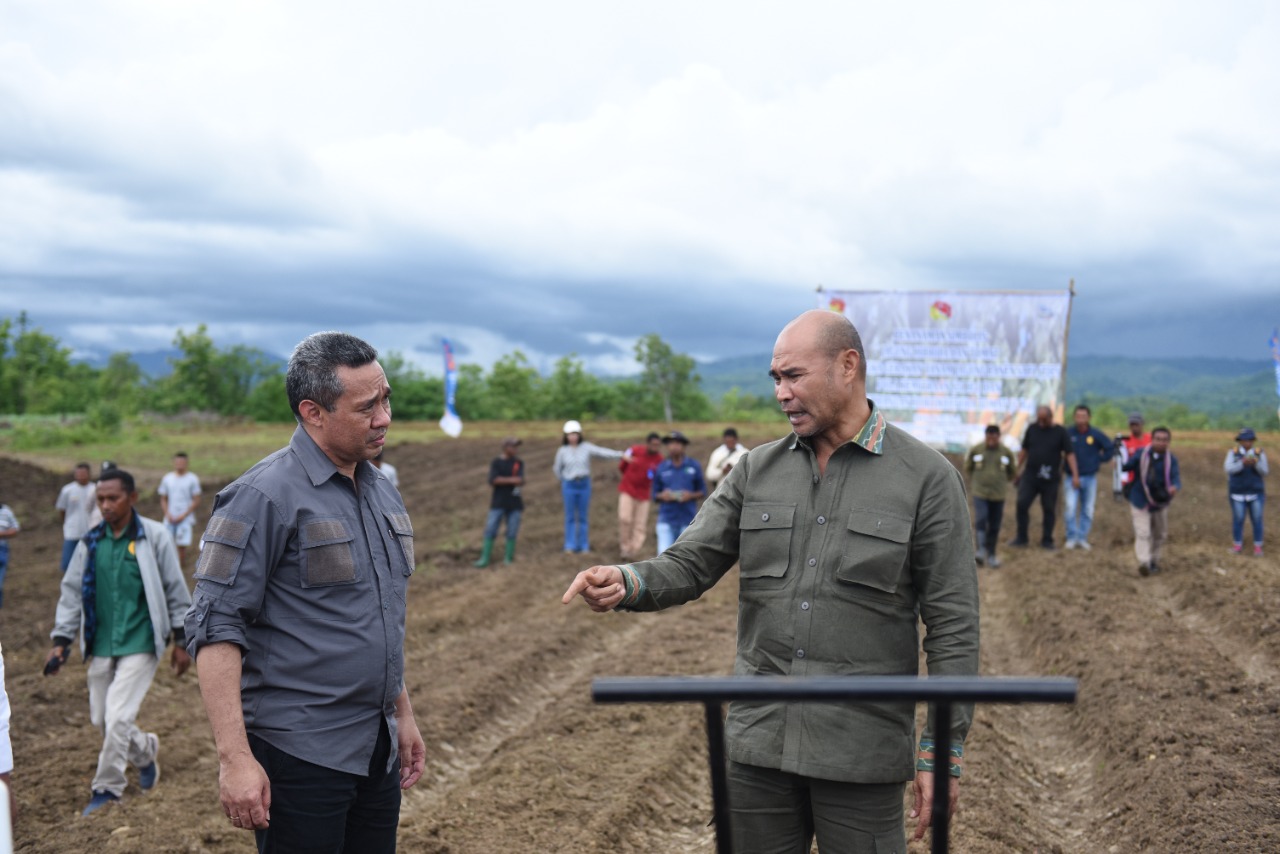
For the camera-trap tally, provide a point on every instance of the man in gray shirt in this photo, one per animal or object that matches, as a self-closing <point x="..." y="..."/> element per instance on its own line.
<point x="300" y="595"/>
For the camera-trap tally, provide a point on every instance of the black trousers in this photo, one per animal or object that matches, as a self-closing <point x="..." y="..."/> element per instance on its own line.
<point x="987" y="516"/>
<point x="317" y="810"/>
<point x="1028" y="489"/>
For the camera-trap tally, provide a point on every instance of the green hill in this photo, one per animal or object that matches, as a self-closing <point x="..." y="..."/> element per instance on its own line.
<point x="1188" y="392"/>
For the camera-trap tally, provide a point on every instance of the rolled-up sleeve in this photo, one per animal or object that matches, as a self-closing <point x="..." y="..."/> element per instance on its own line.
<point x="243" y="541"/>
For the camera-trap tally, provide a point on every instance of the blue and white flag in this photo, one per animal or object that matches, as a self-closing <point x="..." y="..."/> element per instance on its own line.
<point x="451" y="424"/>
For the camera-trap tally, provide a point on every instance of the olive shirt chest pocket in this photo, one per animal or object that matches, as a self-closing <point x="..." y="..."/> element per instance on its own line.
<point x="325" y="553"/>
<point x="876" y="549"/>
<point x="765" y="539"/>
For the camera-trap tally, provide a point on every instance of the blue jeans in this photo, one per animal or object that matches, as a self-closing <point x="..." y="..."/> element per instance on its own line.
<point x="668" y="533"/>
<point x="316" y="809"/>
<point x="68" y="549"/>
<point x="1081" y="501"/>
<point x="4" y="567"/>
<point x="1254" y="508"/>
<point x="495" y="519"/>
<point x="577" y="506"/>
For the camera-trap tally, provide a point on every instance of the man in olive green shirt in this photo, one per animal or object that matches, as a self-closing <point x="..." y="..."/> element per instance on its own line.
<point x="846" y="531"/>
<point x="991" y="468"/>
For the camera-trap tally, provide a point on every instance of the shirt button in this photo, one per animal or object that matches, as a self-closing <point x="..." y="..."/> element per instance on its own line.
<point x="799" y="653"/>
<point x="822" y="520"/>
<point x="764" y="517"/>
<point x="816" y="478"/>
<point x="804" y="606"/>
<point x="813" y="561"/>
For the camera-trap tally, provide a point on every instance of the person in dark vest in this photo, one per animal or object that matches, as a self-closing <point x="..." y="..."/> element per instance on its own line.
<point x="1246" y="467"/>
<point x="1157" y="483"/>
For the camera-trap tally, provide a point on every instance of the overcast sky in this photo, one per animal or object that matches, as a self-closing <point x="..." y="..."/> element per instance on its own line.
<point x="567" y="176"/>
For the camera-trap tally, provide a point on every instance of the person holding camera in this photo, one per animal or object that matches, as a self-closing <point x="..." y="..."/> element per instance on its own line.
<point x="1246" y="466"/>
<point x="1156" y="484"/>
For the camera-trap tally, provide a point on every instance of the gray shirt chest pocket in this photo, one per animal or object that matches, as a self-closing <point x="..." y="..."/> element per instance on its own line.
<point x="765" y="539"/>
<point x="399" y="526"/>
<point x="326" y="557"/>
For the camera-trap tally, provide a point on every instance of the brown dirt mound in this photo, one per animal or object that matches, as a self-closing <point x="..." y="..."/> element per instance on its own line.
<point x="1167" y="749"/>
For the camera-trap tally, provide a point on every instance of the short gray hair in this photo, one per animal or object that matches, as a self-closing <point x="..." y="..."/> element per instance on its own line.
<point x="313" y="367"/>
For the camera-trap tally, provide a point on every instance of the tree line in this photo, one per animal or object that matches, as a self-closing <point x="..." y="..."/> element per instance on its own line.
<point x="39" y="377"/>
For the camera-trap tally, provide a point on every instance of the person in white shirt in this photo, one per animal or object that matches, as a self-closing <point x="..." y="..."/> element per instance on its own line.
<point x="179" y="497"/>
<point x="76" y="503"/>
<point x="6" y="746"/>
<point x="724" y="458"/>
<point x="388" y="470"/>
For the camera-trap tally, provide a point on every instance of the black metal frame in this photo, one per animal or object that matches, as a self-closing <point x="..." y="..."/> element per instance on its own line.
<point x="941" y="691"/>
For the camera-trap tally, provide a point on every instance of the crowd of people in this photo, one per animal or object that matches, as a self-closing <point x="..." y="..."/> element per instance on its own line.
<point x="1056" y="459"/>
<point x="315" y="745"/>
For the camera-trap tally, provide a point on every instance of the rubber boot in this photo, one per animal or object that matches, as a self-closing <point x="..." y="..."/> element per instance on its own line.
<point x="510" y="556"/>
<point x="485" y="553"/>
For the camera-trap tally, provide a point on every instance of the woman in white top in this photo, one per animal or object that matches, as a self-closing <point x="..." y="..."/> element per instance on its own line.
<point x="573" y="467"/>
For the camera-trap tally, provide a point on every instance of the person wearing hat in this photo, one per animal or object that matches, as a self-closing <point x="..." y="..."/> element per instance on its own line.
<point x="1129" y="447"/>
<point x="573" y="467"/>
<point x="506" y="476"/>
<point x="678" y="483"/>
<point x="991" y="468"/>
<point x="1246" y="466"/>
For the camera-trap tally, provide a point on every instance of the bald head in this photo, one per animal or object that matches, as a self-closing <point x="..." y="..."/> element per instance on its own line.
<point x="829" y="332"/>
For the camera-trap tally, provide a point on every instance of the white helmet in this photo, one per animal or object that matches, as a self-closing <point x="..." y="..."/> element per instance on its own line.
<point x="572" y="426"/>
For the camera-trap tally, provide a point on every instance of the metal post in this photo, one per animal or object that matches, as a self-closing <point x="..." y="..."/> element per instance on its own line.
<point x="719" y="778"/>
<point x="941" y="690"/>
<point x="941" y="776"/>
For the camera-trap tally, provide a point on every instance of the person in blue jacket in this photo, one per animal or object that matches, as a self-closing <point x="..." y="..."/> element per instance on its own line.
<point x="678" y="483"/>
<point x="1246" y="467"/>
<point x="1154" y="489"/>
<point x="1092" y="449"/>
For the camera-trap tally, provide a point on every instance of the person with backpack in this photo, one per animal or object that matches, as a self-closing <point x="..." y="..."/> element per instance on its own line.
<point x="1156" y="485"/>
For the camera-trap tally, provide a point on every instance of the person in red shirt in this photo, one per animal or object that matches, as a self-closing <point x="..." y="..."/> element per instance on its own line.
<point x="1137" y="439"/>
<point x="634" y="492"/>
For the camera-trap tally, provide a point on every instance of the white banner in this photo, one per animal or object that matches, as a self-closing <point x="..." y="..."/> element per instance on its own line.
<point x="944" y="365"/>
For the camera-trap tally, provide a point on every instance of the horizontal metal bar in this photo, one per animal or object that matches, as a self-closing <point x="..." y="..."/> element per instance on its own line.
<point x="956" y="689"/>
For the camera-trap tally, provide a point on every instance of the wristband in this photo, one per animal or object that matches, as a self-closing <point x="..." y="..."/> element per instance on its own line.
<point x="928" y="749"/>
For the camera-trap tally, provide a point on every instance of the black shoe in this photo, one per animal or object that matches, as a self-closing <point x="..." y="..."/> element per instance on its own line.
<point x="1047" y="545"/>
<point x="1018" y="544"/>
<point x="1144" y="569"/>
<point x="1155" y="568"/>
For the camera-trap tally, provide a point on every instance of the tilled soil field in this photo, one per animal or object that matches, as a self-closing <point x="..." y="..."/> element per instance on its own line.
<point x="1171" y="746"/>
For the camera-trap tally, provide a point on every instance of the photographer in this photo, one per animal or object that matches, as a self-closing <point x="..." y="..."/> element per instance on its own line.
<point x="1156" y="484"/>
<point x="1246" y="466"/>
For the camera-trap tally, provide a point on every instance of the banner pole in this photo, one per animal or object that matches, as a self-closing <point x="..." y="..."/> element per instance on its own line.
<point x="1066" y="346"/>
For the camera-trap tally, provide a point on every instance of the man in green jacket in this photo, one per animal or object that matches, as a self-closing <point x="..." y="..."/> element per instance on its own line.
<point x="846" y="530"/>
<point x="991" y="468"/>
<point x="125" y="596"/>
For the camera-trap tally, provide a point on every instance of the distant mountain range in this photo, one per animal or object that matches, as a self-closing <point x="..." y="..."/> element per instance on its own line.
<point x="1203" y="385"/>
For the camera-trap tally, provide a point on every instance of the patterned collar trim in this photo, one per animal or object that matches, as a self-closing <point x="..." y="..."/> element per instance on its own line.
<point x="870" y="437"/>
